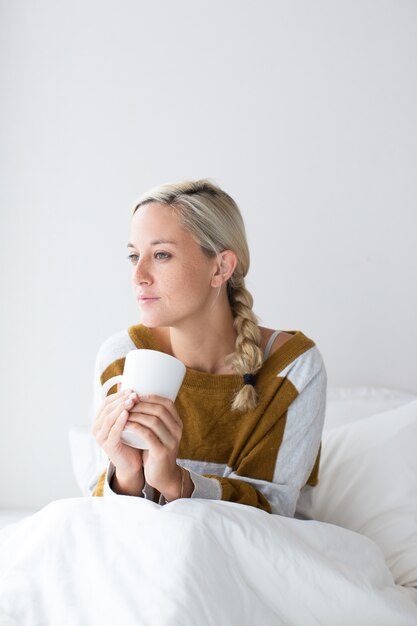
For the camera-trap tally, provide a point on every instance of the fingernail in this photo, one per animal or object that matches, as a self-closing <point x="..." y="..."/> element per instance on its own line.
<point x="128" y="402"/>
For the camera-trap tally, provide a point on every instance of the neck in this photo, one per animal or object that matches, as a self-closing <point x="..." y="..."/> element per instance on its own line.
<point x="202" y="345"/>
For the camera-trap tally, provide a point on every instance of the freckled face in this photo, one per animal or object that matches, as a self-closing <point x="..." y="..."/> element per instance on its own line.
<point x="171" y="276"/>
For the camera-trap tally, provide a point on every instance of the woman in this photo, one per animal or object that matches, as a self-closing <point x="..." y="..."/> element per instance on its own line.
<point x="246" y="426"/>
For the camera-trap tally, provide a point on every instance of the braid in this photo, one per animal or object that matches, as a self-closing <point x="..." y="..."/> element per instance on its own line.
<point x="247" y="358"/>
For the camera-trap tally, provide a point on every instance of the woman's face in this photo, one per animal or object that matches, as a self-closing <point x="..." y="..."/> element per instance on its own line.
<point x="171" y="276"/>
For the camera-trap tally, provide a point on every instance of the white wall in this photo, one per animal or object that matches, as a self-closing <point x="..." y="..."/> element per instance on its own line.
<point x="306" y="113"/>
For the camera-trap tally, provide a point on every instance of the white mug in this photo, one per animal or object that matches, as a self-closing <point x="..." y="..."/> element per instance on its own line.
<point x="148" y="372"/>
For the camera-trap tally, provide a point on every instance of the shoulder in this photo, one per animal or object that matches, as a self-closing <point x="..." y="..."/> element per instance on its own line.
<point x="300" y="363"/>
<point x="307" y="369"/>
<point x="266" y="334"/>
<point x="113" y="348"/>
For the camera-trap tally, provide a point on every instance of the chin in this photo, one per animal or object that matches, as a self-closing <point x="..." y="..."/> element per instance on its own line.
<point x="152" y="321"/>
<point x="148" y="322"/>
<point x="166" y="319"/>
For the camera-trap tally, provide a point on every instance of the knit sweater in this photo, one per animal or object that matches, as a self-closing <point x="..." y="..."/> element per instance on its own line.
<point x="263" y="457"/>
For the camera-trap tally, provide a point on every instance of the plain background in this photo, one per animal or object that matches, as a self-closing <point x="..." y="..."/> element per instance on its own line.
<point x="305" y="112"/>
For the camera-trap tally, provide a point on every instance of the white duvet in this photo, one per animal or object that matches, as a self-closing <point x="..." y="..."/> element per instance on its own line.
<point x="128" y="561"/>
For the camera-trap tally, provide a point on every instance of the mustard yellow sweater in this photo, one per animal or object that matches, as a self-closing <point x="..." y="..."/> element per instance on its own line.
<point x="263" y="457"/>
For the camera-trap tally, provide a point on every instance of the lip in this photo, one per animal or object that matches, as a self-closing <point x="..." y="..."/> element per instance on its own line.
<point x="147" y="299"/>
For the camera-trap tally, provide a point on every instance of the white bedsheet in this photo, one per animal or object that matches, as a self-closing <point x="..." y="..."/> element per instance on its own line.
<point x="9" y="516"/>
<point x="122" y="560"/>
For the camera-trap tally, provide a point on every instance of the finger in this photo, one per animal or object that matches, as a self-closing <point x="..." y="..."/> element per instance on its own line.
<point x="155" y="426"/>
<point x="148" y="403"/>
<point x="105" y="424"/>
<point x="156" y="416"/>
<point x="103" y="412"/>
<point x="118" y="394"/>
<point x="116" y="430"/>
<point x="151" y="438"/>
<point x="108" y="404"/>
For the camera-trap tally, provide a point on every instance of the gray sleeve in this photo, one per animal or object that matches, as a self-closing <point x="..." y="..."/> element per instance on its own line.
<point x="204" y="487"/>
<point x="302" y="435"/>
<point x="303" y="430"/>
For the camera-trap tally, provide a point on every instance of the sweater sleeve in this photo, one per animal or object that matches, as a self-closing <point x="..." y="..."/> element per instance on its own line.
<point x="298" y="454"/>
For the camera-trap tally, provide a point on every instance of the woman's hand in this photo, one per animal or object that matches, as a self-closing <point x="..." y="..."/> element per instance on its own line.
<point x="156" y="420"/>
<point x="107" y="429"/>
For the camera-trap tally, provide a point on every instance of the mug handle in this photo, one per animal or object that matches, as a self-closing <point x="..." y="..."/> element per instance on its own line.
<point x="109" y="383"/>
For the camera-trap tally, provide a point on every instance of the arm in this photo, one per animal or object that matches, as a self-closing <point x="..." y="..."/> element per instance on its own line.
<point x="106" y="479"/>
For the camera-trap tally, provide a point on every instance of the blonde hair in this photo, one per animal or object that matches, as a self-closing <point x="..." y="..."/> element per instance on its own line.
<point x="215" y="221"/>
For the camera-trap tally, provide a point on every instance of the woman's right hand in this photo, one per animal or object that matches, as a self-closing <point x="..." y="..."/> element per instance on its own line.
<point x="107" y="429"/>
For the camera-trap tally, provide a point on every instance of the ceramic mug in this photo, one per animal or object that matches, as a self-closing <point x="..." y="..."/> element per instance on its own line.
<point x="147" y="372"/>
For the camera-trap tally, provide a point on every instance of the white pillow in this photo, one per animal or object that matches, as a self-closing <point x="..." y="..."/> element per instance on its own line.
<point x="348" y="404"/>
<point x="368" y="483"/>
<point x="84" y="452"/>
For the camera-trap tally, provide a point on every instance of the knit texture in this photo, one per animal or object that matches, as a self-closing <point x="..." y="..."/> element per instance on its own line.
<point x="262" y="457"/>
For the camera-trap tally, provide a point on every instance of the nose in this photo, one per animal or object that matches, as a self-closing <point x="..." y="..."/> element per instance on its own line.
<point x="141" y="274"/>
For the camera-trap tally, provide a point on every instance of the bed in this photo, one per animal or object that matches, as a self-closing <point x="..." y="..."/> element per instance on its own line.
<point x="350" y="556"/>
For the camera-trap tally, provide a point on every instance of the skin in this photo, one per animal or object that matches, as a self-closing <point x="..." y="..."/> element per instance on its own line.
<point x="182" y="297"/>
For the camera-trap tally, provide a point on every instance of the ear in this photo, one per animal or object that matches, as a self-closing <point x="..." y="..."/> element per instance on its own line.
<point x="225" y="266"/>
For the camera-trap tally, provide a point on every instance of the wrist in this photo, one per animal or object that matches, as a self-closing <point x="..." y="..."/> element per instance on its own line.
<point x="189" y="486"/>
<point x="175" y="491"/>
<point x="184" y="489"/>
<point x="128" y="484"/>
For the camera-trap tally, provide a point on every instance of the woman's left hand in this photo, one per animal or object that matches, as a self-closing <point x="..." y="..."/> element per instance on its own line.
<point x="160" y="425"/>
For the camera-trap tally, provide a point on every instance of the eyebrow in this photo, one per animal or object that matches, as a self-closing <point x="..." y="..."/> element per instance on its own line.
<point x="155" y="243"/>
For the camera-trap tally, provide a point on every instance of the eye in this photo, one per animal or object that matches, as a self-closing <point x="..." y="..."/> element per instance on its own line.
<point x="133" y="258"/>
<point x="162" y="255"/>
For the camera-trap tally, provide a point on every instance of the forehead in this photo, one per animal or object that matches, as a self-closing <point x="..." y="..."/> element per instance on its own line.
<point x="156" y="221"/>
